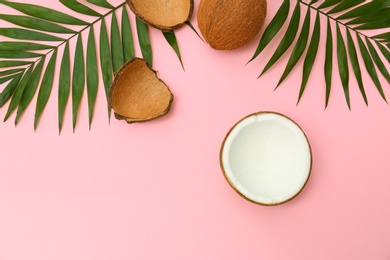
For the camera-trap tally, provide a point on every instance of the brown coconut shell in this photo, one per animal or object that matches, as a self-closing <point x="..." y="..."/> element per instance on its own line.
<point x="137" y="94"/>
<point x="230" y="24"/>
<point x="162" y="14"/>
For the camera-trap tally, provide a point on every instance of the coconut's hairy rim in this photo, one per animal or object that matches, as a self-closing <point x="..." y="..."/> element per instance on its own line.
<point x="160" y="26"/>
<point x="230" y="24"/>
<point x="118" y="76"/>
<point x="232" y="184"/>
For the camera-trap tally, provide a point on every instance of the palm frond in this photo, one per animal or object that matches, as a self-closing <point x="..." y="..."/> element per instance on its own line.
<point x="45" y="88"/>
<point x="29" y="92"/>
<point x="273" y="28"/>
<point x="328" y="66"/>
<point x="370" y="66"/>
<point x="299" y="48"/>
<point x="39" y="35"/>
<point x="116" y="44"/>
<point x="35" y="23"/>
<point x="189" y="24"/>
<point x="78" y="80"/>
<point x="343" y="64"/>
<point x="63" y="86"/>
<point x="352" y="17"/>
<point x="144" y="41"/>
<point x="105" y="61"/>
<point x="287" y="39"/>
<point x="18" y="93"/>
<point x="79" y="7"/>
<point x="45" y="13"/>
<point x="309" y="59"/>
<point x="355" y="65"/>
<point x="127" y="37"/>
<point x="92" y="74"/>
<point x="171" y="39"/>
<point x="9" y="90"/>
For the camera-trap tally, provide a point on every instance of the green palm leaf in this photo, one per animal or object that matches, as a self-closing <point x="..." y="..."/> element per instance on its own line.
<point x="80" y="8"/>
<point x="355" y="65"/>
<point x="329" y="3"/>
<point x="13" y="63"/>
<point x="287" y="39"/>
<point x="116" y="45"/>
<point x="46" y="87"/>
<point x="361" y="11"/>
<point x="144" y="41"/>
<point x="18" y="54"/>
<point x="92" y="74"/>
<point x="328" y="66"/>
<point x="127" y="36"/>
<point x="273" y="28"/>
<point x="23" y="34"/>
<point x="188" y="23"/>
<point x="353" y="16"/>
<point x="35" y="23"/>
<point x="101" y="3"/>
<point x="22" y="60"/>
<point x="78" y="79"/>
<point x="9" y="89"/>
<point x="105" y="61"/>
<point x="18" y="93"/>
<point x="380" y="65"/>
<point x="29" y="90"/>
<point x="378" y="24"/>
<point x="371" y="17"/>
<point x="382" y="36"/>
<point x="64" y="86"/>
<point x="385" y="52"/>
<point x="45" y="13"/>
<point x="9" y="72"/>
<point x="299" y="48"/>
<point x="344" y="5"/>
<point x="343" y="65"/>
<point x="23" y="46"/>
<point x="370" y="66"/>
<point x="310" y="55"/>
<point x="5" y="79"/>
<point x="171" y="39"/>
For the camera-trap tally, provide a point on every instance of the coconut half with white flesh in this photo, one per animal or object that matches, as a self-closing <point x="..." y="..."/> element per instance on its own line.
<point x="165" y="15"/>
<point x="266" y="158"/>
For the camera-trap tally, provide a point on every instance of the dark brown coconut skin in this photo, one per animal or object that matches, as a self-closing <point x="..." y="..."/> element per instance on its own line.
<point x="140" y="100"/>
<point x="230" y="24"/>
<point x="157" y="25"/>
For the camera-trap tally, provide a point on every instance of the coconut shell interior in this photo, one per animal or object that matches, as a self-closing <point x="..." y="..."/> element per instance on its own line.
<point x="137" y="94"/>
<point x="163" y="14"/>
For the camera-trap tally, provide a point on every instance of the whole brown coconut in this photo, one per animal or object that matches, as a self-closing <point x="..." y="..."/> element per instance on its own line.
<point x="137" y="94"/>
<point x="165" y="15"/>
<point x="230" y="24"/>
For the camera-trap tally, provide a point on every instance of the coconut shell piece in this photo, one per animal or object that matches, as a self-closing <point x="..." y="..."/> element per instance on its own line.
<point x="230" y="24"/>
<point x="165" y="15"/>
<point x="137" y="94"/>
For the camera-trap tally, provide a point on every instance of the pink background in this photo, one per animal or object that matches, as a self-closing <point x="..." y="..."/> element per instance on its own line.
<point x="156" y="191"/>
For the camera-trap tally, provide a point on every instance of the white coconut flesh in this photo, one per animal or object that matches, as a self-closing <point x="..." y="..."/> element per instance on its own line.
<point x="266" y="158"/>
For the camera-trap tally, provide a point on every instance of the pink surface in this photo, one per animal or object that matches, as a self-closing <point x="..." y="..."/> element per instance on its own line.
<point x="156" y="191"/>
